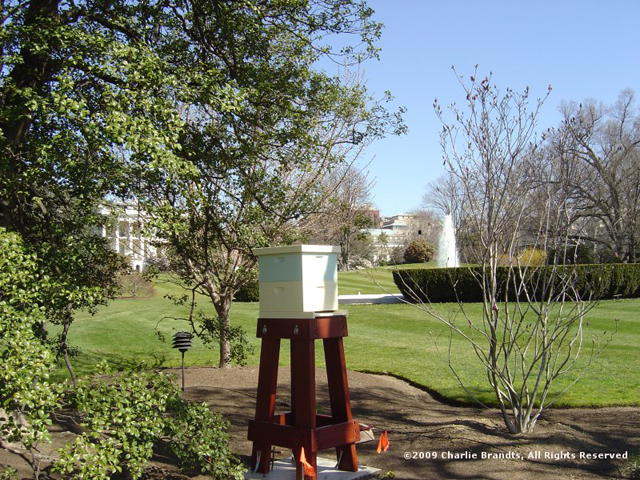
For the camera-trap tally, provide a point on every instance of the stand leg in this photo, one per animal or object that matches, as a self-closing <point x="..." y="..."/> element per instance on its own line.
<point x="303" y="402"/>
<point x="266" y="398"/>
<point x="339" y="398"/>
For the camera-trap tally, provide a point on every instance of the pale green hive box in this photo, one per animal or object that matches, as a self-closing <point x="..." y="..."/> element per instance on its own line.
<point x="298" y="281"/>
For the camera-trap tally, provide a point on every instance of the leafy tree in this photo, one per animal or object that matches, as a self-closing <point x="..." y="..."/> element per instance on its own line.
<point x="383" y="239"/>
<point x="210" y="114"/>
<point x="81" y="92"/>
<point x="418" y="251"/>
<point x="261" y="129"/>
<point x="26" y="396"/>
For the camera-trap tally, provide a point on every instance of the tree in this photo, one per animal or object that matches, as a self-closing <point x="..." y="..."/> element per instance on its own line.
<point x="80" y="92"/>
<point x="525" y="340"/>
<point x="599" y="149"/>
<point x="423" y="224"/>
<point x="261" y="129"/>
<point x="26" y="396"/>
<point x="342" y="217"/>
<point x="114" y="99"/>
<point x="444" y="195"/>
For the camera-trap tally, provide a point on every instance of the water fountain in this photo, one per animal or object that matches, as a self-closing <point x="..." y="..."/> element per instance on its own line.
<point x="447" y="252"/>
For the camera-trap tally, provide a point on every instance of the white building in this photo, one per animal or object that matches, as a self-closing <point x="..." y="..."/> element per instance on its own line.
<point x="127" y="234"/>
<point x="397" y="231"/>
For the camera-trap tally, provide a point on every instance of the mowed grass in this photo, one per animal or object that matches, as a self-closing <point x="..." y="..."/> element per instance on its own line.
<point x="396" y="339"/>
<point x="373" y="280"/>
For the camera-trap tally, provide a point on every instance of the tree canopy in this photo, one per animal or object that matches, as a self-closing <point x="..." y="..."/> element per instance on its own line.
<point x="214" y="116"/>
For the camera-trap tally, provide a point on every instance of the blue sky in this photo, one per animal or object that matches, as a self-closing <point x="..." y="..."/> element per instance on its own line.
<point x="584" y="49"/>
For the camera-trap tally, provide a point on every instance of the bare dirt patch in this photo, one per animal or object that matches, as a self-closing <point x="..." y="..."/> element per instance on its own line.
<point x="468" y="443"/>
<point x="418" y="423"/>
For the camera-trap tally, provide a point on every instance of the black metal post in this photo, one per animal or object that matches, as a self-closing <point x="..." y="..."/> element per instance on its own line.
<point x="182" y="341"/>
<point x="182" y="370"/>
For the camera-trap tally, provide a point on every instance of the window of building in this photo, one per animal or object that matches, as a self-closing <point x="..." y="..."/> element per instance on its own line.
<point x="136" y="229"/>
<point x="123" y="229"/>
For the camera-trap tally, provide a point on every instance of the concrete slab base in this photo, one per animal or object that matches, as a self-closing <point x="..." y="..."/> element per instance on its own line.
<point x="285" y="469"/>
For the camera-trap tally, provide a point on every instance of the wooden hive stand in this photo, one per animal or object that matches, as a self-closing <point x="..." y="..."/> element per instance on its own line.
<point x="302" y="427"/>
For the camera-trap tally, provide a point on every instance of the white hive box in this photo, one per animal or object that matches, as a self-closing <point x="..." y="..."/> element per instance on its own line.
<point x="297" y="281"/>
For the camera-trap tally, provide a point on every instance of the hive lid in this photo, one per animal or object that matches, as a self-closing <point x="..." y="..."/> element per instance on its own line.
<point x="296" y="249"/>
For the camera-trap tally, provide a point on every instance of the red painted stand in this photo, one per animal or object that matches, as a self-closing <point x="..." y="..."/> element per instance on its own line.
<point x="303" y="427"/>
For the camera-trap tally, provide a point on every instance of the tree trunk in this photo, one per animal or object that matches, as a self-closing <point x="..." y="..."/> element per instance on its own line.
<point x="64" y="346"/>
<point x="344" y="254"/>
<point x="223" y="305"/>
<point x="31" y="74"/>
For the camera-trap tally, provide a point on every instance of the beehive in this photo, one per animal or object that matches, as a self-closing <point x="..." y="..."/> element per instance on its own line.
<point x="297" y="281"/>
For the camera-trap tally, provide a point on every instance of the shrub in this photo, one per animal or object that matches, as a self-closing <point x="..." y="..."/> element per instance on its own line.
<point x="134" y="285"/>
<point x="200" y="442"/>
<point x="249" y="292"/>
<point x="27" y="399"/>
<point x="418" y="251"/>
<point x="437" y="285"/>
<point x="610" y="256"/>
<point x="529" y="257"/>
<point x="580" y="254"/>
<point x="459" y="284"/>
<point x="125" y="415"/>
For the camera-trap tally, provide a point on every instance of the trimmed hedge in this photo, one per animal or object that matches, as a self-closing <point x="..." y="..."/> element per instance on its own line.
<point x="459" y="284"/>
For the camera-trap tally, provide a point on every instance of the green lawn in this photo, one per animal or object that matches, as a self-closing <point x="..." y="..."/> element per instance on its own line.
<point x="373" y="280"/>
<point x="398" y="339"/>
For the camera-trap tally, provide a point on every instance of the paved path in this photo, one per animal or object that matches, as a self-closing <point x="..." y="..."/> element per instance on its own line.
<point x="371" y="298"/>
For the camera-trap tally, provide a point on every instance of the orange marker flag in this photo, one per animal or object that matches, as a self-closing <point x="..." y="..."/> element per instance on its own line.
<point x="383" y="443"/>
<point x="308" y="468"/>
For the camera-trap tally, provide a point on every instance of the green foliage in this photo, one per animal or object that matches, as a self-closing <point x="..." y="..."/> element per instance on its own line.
<point x="633" y="467"/>
<point x="125" y="415"/>
<point x="240" y="178"/>
<point x="579" y="254"/>
<point x="206" y="113"/>
<point x="460" y="284"/>
<point x="437" y="285"/>
<point x="26" y="397"/>
<point x="200" y="442"/>
<point x="210" y="328"/>
<point x="211" y="332"/>
<point x="610" y="256"/>
<point x="585" y="254"/>
<point x="418" y="251"/>
<point x="57" y="158"/>
<point x="9" y="474"/>
<point x="249" y="292"/>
